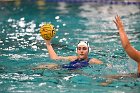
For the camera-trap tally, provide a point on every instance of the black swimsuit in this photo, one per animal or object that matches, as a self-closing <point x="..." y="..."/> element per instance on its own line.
<point x="76" y="64"/>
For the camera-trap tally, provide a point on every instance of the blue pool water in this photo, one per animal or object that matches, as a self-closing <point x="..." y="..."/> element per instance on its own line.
<point x="22" y="48"/>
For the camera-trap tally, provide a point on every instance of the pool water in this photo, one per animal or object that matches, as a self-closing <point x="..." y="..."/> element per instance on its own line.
<point x="22" y="48"/>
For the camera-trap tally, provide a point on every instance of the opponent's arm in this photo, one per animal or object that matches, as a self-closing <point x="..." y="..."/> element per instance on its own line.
<point x="132" y="52"/>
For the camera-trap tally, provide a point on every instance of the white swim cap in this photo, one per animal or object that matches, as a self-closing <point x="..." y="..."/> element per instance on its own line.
<point x="84" y="43"/>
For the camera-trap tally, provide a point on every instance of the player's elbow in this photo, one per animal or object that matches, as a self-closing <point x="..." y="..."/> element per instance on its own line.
<point x="54" y="57"/>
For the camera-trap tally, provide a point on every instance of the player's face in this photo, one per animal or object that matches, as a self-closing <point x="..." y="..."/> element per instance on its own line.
<point x="82" y="51"/>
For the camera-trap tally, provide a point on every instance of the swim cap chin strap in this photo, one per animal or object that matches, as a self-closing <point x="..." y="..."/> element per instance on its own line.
<point x="84" y="43"/>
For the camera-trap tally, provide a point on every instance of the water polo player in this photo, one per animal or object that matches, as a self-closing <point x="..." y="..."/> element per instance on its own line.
<point x="78" y="61"/>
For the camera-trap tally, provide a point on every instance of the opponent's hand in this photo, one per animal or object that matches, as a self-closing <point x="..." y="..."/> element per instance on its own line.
<point x="109" y="81"/>
<point x="118" y="22"/>
<point x="46" y="66"/>
<point x="52" y="66"/>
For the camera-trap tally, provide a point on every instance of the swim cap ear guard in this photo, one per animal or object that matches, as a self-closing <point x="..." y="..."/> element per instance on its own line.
<point x="85" y="43"/>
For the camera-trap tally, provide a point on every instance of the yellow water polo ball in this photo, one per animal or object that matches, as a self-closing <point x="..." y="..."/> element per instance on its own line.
<point x="47" y="31"/>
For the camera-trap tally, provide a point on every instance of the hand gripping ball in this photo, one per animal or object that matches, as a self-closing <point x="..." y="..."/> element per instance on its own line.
<point x="47" y="31"/>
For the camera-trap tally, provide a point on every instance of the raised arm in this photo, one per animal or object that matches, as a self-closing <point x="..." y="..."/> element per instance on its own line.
<point x="131" y="51"/>
<point x="51" y="51"/>
<point x="53" y="54"/>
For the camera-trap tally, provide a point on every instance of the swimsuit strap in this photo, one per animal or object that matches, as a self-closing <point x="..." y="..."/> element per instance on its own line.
<point x="82" y="60"/>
